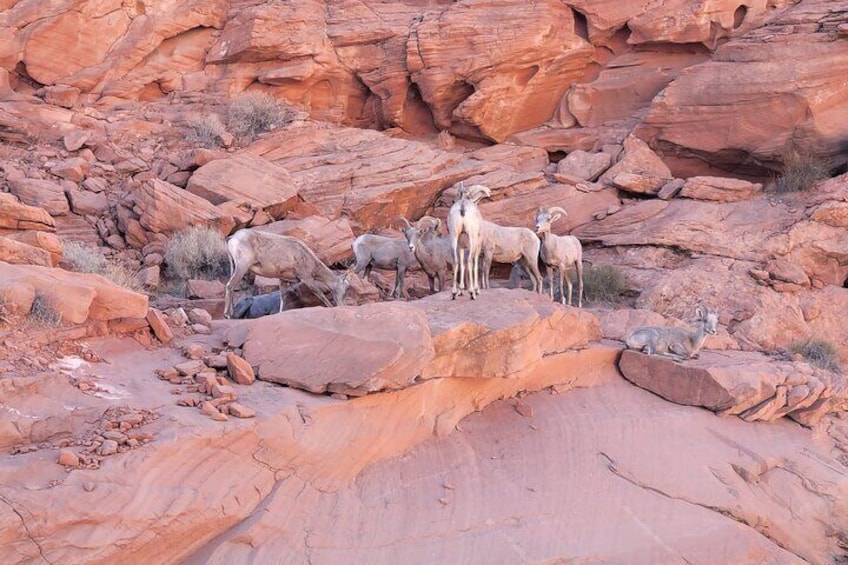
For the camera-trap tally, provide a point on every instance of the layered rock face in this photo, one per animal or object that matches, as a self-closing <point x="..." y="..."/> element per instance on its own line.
<point x="481" y="69"/>
<point x="404" y="475"/>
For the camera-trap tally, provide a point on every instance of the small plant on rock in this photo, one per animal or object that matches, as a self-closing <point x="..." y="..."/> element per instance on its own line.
<point x="198" y="252"/>
<point x="604" y="283"/>
<point x="207" y="130"/>
<point x="819" y="353"/>
<point x="43" y="312"/>
<point x="256" y="112"/>
<point x="801" y="170"/>
<point x="83" y="258"/>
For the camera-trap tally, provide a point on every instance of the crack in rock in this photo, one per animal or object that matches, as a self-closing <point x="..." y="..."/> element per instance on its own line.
<point x="26" y="527"/>
<point x="726" y="512"/>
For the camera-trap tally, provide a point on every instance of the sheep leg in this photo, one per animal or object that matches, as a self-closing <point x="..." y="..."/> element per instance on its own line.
<point x="532" y="269"/>
<point x="550" y="279"/>
<point x="455" y="269"/>
<point x="474" y="267"/>
<point x="399" y="281"/>
<point x="238" y="273"/>
<point x="568" y="281"/>
<point x="487" y="266"/>
<point x="579" y="265"/>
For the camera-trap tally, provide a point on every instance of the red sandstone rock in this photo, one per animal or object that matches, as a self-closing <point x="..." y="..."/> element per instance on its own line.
<point x="165" y="208"/>
<point x="240" y="370"/>
<point x="159" y="325"/>
<point x="45" y="194"/>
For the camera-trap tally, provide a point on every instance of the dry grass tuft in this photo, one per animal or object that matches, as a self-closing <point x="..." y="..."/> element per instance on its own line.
<point x="198" y="252"/>
<point x="256" y="112"/>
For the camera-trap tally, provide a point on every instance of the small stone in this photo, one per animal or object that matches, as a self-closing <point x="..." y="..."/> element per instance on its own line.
<point x="115" y="435"/>
<point x="109" y="447"/>
<point x="200" y="316"/>
<point x="205" y="382"/>
<point x="193" y="351"/>
<point x="220" y="391"/>
<point x="68" y="458"/>
<point x="240" y="370"/>
<point x="201" y="329"/>
<point x="220" y="417"/>
<point x="208" y="408"/>
<point x="88" y="486"/>
<point x="159" y="325"/>
<point x="179" y="317"/>
<point x="240" y="411"/>
<point x="217" y="361"/>
<point x="190" y="368"/>
<point x="133" y="443"/>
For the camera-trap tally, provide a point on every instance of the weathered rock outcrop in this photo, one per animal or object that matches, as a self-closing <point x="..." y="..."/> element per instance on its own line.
<point x="389" y="346"/>
<point x="749" y="385"/>
<point x="75" y="297"/>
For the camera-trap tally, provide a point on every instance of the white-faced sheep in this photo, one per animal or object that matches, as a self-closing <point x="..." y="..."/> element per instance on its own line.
<point x="381" y="252"/>
<point x="281" y="257"/>
<point x="431" y="248"/>
<point x="559" y="253"/>
<point x="675" y="342"/>
<point x="464" y="218"/>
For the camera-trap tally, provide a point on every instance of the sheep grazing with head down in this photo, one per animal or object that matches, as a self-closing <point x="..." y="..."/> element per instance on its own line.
<point x="281" y="257"/>
<point x="464" y="219"/>
<point x="559" y="253"/>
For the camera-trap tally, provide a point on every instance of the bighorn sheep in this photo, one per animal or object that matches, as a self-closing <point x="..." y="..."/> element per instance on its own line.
<point x="384" y="253"/>
<point x="285" y="258"/>
<point x="675" y="342"/>
<point x="464" y="218"/>
<point x="257" y="306"/>
<point x="559" y="252"/>
<point x="432" y="249"/>
<point x="503" y="244"/>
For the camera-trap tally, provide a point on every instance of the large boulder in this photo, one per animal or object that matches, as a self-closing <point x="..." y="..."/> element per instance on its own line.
<point x="14" y="215"/>
<point x="165" y="208"/>
<point x="745" y="384"/>
<point x="387" y="346"/>
<point x="351" y="350"/>
<point x="246" y="179"/>
<point x="76" y="297"/>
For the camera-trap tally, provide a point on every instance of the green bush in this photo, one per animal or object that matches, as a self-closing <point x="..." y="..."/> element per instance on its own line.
<point x="198" y="252"/>
<point x="801" y="170"/>
<point x="604" y="283"/>
<point x="818" y="353"/>
<point x="206" y="130"/>
<point x="256" y="112"/>
<point x="89" y="259"/>
<point x="43" y="312"/>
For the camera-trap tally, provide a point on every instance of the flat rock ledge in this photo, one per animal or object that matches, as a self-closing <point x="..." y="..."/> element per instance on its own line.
<point x="392" y="345"/>
<point x="737" y="383"/>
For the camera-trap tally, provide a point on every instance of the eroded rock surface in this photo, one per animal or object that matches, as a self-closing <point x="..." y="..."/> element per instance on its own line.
<point x="749" y="385"/>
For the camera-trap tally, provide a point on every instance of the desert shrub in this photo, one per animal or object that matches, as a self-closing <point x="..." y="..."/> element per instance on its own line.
<point x="819" y="353"/>
<point x="801" y="170"/>
<point x="198" y="252"/>
<point x="43" y="312"/>
<point x="256" y="112"/>
<point x="604" y="283"/>
<point x="206" y="129"/>
<point x="89" y="259"/>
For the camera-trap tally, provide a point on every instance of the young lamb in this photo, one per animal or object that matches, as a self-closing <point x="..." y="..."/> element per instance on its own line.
<point x="432" y="249"/>
<point x="504" y="244"/>
<point x="559" y="252"/>
<point x="384" y="252"/>
<point x="675" y="342"/>
<point x="464" y="218"/>
<point x="285" y="258"/>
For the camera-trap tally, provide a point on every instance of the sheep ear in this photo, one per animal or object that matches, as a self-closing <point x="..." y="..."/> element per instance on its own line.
<point x="556" y="217"/>
<point x="700" y="312"/>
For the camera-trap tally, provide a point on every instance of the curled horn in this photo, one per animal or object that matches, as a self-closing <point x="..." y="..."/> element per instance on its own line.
<point x="404" y="220"/>
<point x="425" y="220"/>
<point x="552" y="210"/>
<point x="478" y="191"/>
